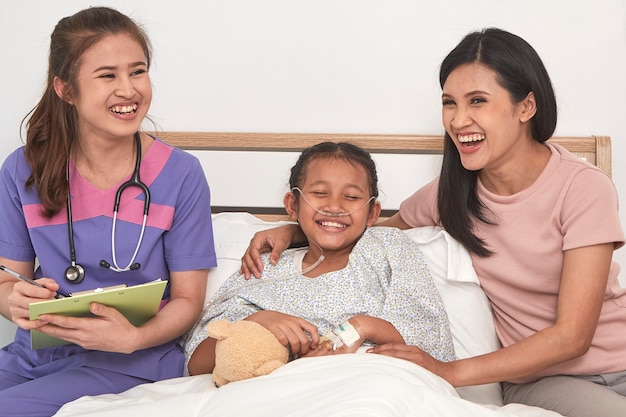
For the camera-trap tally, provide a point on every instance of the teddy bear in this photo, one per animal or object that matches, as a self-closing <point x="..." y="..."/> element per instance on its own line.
<point x="244" y="349"/>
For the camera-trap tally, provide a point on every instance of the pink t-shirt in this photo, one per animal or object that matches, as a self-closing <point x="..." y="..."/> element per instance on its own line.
<point x="572" y="204"/>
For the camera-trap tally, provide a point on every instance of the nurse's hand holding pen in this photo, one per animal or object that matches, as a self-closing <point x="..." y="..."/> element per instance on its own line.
<point x="23" y="291"/>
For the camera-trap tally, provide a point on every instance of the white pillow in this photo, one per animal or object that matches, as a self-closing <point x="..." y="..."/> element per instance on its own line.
<point x="468" y="309"/>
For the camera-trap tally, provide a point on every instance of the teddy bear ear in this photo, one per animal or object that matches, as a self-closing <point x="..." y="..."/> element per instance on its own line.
<point x="218" y="329"/>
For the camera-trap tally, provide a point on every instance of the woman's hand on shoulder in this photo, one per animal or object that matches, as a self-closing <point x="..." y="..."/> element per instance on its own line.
<point x="272" y="240"/>
<point x="394" y="221"/>
<point x="290" y="331"/>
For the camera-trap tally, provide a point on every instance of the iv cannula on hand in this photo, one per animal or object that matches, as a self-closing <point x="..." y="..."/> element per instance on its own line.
<point x="30" y="281"/>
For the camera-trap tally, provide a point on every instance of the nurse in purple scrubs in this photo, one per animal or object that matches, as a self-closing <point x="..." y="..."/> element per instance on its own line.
<point x="90" y="201"/>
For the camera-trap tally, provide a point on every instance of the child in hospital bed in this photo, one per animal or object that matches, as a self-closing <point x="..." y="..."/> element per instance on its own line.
<point x="372" y="283"/>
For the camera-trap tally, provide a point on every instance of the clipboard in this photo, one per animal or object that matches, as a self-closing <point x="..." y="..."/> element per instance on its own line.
<point x="138" y="304"/>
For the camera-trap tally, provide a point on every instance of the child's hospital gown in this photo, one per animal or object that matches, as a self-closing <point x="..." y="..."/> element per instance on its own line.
<point x="386" y="277"/>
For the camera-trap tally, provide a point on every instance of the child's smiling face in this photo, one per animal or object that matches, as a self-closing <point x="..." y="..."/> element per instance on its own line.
<point x="331" y="186"/>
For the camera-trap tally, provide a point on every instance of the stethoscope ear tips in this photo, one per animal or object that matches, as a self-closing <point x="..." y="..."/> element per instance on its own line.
<point x="133" y="267"/>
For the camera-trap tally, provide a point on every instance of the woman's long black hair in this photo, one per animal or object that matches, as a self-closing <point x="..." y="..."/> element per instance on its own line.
<point x="520" y="71"/>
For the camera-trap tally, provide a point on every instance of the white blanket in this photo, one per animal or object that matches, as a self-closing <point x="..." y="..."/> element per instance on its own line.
<point x="334" y="386"/>
<point x="345" y="385"/>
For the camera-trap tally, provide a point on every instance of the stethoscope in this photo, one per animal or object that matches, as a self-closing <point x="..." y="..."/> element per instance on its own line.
<point x="75" y="273"/>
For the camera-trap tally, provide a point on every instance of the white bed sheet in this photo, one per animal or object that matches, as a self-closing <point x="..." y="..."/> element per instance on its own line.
<point x="345" y="385"/>
<point x="333" y="386"/>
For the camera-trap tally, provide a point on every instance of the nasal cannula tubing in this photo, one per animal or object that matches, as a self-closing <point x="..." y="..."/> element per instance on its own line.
<point x="329" y="213"/>
<point x="262" y="281"/>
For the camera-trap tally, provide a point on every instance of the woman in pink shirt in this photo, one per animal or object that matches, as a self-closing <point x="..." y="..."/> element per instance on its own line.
<point x="528" y="213"/>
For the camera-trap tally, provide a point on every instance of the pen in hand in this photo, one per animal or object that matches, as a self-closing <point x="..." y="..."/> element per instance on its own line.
<point x="30" y="281"/>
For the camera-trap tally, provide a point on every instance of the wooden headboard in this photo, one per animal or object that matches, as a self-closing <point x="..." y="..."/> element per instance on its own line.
<point x="595" y="149"/>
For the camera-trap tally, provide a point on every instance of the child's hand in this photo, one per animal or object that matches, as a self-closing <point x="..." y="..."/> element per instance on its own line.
<point x="325" y="348"/>
<point x="290" y="331"/>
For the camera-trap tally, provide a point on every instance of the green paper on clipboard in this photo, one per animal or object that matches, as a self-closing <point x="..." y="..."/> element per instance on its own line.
<point x="138" y="303"/>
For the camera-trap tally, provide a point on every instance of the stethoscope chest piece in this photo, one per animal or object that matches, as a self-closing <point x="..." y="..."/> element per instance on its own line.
<point x="75" y="274"/>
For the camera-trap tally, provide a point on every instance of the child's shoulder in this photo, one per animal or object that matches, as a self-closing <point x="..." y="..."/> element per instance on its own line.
<point x="385" y="232"/>
<point x="386" y="236"/>
<point x="383" y="243"/>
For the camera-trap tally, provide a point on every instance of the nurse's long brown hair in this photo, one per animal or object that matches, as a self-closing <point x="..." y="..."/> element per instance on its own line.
<point x="51" y="127"/>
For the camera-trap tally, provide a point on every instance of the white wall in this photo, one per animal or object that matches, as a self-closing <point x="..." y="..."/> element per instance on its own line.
<point x="332" y="65"/>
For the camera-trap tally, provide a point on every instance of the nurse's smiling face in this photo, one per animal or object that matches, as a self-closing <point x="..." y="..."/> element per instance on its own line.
<point x="113" y="90"/>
